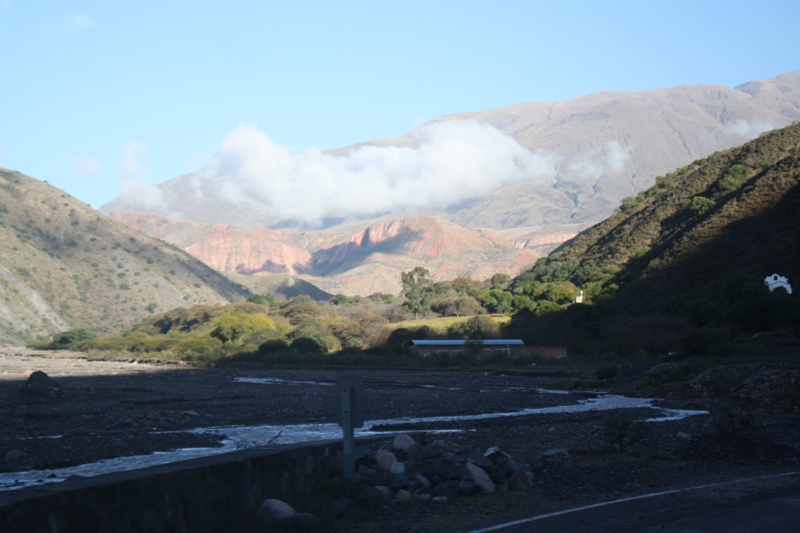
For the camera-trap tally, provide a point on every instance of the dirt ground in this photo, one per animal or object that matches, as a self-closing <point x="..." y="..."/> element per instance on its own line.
<point x="112" y="409"/>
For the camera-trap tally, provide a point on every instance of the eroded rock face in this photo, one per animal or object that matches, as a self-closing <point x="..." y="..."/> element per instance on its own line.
<point x="349" y="260"/>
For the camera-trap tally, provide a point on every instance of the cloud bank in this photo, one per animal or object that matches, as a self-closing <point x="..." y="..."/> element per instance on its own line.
<point x="451" y="162"/>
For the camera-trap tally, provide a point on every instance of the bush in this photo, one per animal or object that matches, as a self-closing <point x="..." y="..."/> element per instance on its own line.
<point x="272" y="346"/>
<point x="477" y="327"/>
<point x="73" y="335"/>
<point x="700" y="204"/>
<point x="236" y="325"/>
<point x="307" y="345"/>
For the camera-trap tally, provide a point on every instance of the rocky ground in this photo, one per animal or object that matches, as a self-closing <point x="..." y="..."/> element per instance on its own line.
<point x="110" y="409"/>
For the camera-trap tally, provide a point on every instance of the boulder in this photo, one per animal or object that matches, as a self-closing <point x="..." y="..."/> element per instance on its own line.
<point x="15" y="456"/>
<point x="402" y="442"/>
<point x="447" y="469"/>
<point x="40" y="386"/>
<point x="520" y="480"/>
<point x="416" y="453"/>
<point x="385" y="459"/>
<point x="421" y="467"/>
<point x="423" y="481"/>
<point x="481" y="478"/>
<point x="273" y="511"/>
<point x="556" y="457"/>
<point x="301" y="522"/>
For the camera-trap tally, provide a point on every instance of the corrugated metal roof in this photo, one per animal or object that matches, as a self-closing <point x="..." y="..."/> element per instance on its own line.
<point x="486" y="342"/>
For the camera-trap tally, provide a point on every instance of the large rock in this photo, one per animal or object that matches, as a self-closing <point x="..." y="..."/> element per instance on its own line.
<point x="447" y="469"/>
<point x="274" y="511"/>
<point x="416" y="453"/>
<point x="402" y="442"/>
<point x="41" y="386"/>
<point x="301" y="522"/>
<point x="385" y="459"/>
<point x="520" y="480"/>
<point x="481" y="478"/>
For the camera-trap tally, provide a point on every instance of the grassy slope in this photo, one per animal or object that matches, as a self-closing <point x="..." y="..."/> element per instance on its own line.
<point x="64" y="265"/>
<point x="662" y="246"/>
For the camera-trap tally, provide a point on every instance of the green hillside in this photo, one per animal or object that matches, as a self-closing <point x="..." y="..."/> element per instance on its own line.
<point x="64" y="265"/>
<point x="699" y="243"/>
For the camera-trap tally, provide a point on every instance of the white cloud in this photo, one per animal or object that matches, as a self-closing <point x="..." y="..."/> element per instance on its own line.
<point x="453" y="161"/>
<point x="592" y="163"/>
<point x="131" y="169"/>
<point x="133" y="179"/>
<point x="86" y="165"/>
<point x="733" y="134"/>
<point x="742" y="129"/>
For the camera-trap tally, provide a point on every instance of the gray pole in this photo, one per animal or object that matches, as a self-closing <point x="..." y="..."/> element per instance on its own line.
<point x="348" y="464"/>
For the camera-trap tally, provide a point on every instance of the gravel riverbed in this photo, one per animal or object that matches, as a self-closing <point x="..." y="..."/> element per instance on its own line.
<point x="113" y="409"/>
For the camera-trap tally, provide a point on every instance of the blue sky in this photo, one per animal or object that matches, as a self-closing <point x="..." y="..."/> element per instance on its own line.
<point x="95" y="93"/>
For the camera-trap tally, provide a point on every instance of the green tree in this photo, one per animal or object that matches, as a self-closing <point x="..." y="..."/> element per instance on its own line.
<point x="73" y="335"/>
<point x="234" y="326"/>
<point x="500" y="281"/>
<point x="263" y="299"/>
<point x="417" y="290"/>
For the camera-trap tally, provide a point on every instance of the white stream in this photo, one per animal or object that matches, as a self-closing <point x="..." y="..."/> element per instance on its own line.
<point x="243" y="437"/>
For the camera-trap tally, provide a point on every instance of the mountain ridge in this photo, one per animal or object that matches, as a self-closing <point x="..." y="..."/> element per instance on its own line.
<point x="699" y="229"/>
<point x="359" y="262"/>
<point x="604" y="146"/>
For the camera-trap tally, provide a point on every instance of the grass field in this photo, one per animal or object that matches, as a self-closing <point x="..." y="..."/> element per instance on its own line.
<point x="444" y="322"/>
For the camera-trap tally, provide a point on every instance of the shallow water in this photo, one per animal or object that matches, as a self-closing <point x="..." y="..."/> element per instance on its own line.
<point x="243" y="437"/>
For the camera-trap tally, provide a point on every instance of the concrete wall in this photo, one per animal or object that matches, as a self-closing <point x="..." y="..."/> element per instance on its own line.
<point x="219" y="493"/>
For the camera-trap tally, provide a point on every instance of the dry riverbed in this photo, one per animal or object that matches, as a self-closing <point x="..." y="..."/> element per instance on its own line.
<point x="113" y="409"/>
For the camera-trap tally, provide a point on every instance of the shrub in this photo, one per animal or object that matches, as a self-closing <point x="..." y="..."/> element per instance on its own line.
<point x="476" y="327"/>
<point x="73" y="335"/>
<point x="272" y="346"/>
<point x="307" y="344"/>
<point x="236" y="325"/>
<point x="700" y="204"/>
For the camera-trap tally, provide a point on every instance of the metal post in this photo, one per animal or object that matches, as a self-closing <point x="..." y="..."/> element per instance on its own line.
<point x="348" y="463"/>
<point x="350" y="415"/>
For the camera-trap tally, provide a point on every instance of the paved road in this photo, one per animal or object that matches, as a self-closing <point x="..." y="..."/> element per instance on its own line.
<point x="767" y="503"/>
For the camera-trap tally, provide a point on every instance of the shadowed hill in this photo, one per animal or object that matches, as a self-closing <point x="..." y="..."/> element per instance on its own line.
<point x="732" y="216"/>
<point x="64" y="265"/>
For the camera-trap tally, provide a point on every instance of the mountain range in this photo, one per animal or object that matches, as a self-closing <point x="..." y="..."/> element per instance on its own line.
<point x="588" y="154"/>
<point x="349" y="259"/>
